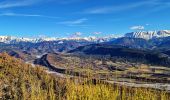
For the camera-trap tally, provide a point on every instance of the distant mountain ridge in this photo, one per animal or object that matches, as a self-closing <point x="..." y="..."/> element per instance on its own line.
<point x="140" y="34"/>
<point x="154" y="51"/>
<point x="131" y="54"/>
<point x="148" y="34"/>
<point x="13" y="40"/>
<point x="160" y="41"/>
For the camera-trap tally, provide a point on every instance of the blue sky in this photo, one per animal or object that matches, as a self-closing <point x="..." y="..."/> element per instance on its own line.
<point x="64" y="18"/>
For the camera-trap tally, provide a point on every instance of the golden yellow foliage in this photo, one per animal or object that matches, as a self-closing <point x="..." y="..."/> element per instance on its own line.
<point x="20" y="81"/>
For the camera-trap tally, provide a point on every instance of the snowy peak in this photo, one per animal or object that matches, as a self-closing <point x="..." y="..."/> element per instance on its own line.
<point x="9" y="39"/>
<point x="13" y="40"/>
<point x="148" y="34"/>
<point x="5" y="39"/>
<point x="141" y="34"/>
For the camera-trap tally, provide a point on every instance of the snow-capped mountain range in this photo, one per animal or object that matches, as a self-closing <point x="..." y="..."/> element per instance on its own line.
<point x="140" y="34"/>
<point x="148" y="34"/>
<point x="9" y="39"/>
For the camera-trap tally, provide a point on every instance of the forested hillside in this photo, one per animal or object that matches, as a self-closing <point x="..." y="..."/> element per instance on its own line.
<point x="19" y="81"/>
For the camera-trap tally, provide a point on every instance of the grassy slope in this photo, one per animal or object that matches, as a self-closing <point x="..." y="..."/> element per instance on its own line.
<point x="21" y="81"/>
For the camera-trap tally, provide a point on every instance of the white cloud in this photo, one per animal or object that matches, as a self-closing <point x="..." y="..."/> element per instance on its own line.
<point x="76" y="34"/>
<point x="4" y="4"/>
<point x="112" y="8"/>
<point x="147" y="24"/>
<point x="74" y="22"/>
<point x="137" y="27"/>
<point x="17" y="3"/>
<point x="97" y="33"/>
<point x="25" y="15"/>
<point x="69" y="1"/>
<point x="15" y="14"/>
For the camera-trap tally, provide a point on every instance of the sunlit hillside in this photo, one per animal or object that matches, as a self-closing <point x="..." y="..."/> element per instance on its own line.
<point x="19" y="81"/>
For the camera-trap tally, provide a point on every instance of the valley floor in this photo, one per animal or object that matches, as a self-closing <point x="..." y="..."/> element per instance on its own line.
<point x="123" y="81"/>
